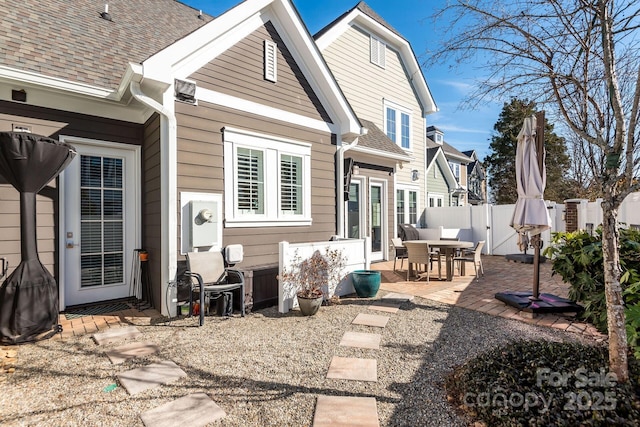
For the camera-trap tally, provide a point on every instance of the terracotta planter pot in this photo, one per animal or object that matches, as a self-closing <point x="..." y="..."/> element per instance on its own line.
<point x="309" y="306"/>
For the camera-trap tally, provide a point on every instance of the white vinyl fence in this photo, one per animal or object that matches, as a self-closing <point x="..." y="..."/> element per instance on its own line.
<point x="491" y="224"/>
<point x="590" y="213"/>
<point x="358" y="258"/>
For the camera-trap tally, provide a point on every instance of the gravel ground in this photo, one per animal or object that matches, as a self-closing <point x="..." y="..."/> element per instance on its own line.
<point x="265" y="369"/>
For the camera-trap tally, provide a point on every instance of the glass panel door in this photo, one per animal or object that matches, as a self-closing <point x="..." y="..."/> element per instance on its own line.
<point x="376" y="218"/>
<point x="353" y="211"/>
<point x="101" y="221"/>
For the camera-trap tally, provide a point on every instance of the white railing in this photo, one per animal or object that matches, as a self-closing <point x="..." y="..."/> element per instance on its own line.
<point x="355" y="250"/>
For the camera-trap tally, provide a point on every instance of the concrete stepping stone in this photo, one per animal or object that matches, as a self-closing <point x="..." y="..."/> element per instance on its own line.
<point x="371" y="320"/>
<point x="398" y="297"/>
<point x="150" y="376"/>
<point x="350" y="368"/>
<point x="386" y="307"/>
<point x="346" y="411"/>
<point x="129" y="351"/>
<point x="361" y="340"/>
<point x="193" y="410"/>
<point x="116" y="334"/>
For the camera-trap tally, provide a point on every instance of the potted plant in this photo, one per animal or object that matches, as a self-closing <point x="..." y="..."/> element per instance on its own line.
<point x="314" y="277"/>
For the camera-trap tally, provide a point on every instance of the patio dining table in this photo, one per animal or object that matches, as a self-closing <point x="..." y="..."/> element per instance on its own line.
<point x="448" y="248"/>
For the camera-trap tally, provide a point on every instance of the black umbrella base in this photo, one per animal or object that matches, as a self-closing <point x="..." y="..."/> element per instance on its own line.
<point x="546" y="303"/>
<point x="524" y="258"/>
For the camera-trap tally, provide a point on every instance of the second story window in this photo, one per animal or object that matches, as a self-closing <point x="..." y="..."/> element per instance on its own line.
<point x="398" y="124"/>
<point x="455" y="168"/>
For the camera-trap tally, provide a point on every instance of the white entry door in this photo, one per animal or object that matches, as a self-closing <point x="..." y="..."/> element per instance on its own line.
<point x="100" y="222"/>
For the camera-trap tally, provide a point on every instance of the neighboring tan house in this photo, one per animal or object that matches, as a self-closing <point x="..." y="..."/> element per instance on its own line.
<point x="172" y="113"/>
<point x="476" y="180"/>
<point x="377" y="70"/>
<point x="455" y="193"/>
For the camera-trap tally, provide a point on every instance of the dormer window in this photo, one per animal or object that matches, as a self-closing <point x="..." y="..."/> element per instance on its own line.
<point x="270" y="61"/>
<point x="439" y="138"/>
<point x="378" y="51"/>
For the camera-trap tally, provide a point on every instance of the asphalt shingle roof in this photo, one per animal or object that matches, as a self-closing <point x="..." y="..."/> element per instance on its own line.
<point x="69" y="40"/>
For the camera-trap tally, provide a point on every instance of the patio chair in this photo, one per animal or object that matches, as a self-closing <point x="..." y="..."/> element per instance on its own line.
<point x="474" y="256"/>
<point x="419" y="254"/>
<point x="213" y="278"/>
<point x="400" y="252"/>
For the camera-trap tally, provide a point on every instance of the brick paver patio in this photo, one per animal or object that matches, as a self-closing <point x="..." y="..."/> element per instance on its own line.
<point x="500" y="275"/>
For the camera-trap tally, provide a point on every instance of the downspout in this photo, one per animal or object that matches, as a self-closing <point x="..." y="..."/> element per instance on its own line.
<point x="340" y="170"/>
<point x="168" y="192"/>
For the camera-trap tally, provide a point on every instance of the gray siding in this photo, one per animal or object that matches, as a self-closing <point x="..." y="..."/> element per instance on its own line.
<point x="239" y="72"/>
<point x="151" y="208"/>
<point x="200" y="169"/>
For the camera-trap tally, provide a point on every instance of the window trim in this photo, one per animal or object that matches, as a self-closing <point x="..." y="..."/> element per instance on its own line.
<point x="406" y="189"/>
<point x="435" y="197"/>
<point x="273" y="148"/>
<point x="398" y="122"/>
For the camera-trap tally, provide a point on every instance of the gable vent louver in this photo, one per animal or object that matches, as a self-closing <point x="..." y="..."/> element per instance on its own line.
<point x="185" y="91"/>
<point x="270" y="61"/>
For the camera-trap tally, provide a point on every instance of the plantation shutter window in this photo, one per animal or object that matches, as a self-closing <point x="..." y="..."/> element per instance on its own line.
<point x="378" y="52"/>
<point x="250" y="181"/>
<point x="270" y="61"/>
<point x="290" y="185"/>
<point x="267" y="180"/>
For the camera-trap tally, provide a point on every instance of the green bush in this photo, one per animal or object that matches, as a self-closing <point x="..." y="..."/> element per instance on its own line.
<point x="577" y="258"/>
<point x="542" y="383"/>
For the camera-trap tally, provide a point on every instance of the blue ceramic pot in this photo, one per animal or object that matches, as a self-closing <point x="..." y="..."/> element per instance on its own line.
<point x="366" y="282"/>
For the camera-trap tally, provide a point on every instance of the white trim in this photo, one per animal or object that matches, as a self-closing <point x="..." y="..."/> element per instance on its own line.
<point x="272" y="147"/>
<point x="399" y="109"/>
<point x="384" y="226"/>
<point x="406" y="188"/>
<point x="380" y="153"/>
<point x="435" y="197"/>
<point x="136" y="211"/>
<point x="362" y="208"/>
<point x="230" y="101"/>
<point x="55" y="83"/>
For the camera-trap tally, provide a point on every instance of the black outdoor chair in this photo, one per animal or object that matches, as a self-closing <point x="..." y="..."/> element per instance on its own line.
<point x="213" y="278"/>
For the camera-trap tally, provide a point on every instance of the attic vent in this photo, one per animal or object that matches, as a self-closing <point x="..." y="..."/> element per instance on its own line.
<point x="185" y="91"/>
<point x="105" y="15"/>
<point x="378" y="52"/>
<point x="270" y="61"/>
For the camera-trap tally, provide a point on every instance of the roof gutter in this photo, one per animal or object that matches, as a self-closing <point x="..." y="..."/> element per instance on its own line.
<point x="340" y="172"/>
<point x="168" y="190"/>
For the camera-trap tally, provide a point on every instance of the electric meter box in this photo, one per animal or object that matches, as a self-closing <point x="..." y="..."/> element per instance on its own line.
<point x="204" y="224"/>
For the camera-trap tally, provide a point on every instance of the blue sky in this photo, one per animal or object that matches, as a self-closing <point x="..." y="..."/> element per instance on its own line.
<point x="464" y="129"/>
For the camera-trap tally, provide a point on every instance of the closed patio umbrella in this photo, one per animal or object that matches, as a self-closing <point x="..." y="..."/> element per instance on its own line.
<point x="29" y="296"/>
<point x="530" y="216"/>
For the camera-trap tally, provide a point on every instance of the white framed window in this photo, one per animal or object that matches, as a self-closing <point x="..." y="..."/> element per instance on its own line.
<point x="267" y="180"/>
<point x="436" y="200"/>
<point x="397" y="124"/>
<point x="406" y="205"/>
<point x="378" y="51"/>
<point x="270" y="61"/>
<point x="455" y="168"/>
